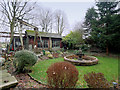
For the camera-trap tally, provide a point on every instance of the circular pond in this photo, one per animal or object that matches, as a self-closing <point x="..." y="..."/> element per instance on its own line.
<point x="86" y="60"/>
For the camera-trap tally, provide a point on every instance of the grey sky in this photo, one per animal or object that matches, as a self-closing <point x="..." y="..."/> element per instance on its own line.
<point x="75" y="11"/>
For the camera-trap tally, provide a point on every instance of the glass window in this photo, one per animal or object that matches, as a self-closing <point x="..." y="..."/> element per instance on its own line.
<point x="17" y="42"/>
<point x="39" y="44"/>
<point x="55" y="43"/>
<point x="45" y="43"/>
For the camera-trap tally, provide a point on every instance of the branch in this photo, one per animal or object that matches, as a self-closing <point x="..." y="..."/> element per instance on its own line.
<point x="9" y="8"/>
<point x="22" y="8"/>
<point x="3" y="5"/>
<point x="25" y="12"/>
<point x="4" y="21"/>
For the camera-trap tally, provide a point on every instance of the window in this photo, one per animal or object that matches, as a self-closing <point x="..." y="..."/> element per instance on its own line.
<point x="17" y="42"/>
<point x="45" y="43"/>
<point x="39" y="44"/>
<point x="55" y="43"/>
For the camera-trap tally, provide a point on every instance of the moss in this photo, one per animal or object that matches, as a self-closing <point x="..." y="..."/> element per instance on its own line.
<point x="42" y="32"/>
<point x="32" y="31"/>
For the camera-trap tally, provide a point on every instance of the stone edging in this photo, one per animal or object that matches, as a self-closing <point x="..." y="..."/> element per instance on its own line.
<point x="82" y="62"/>
<point x="36" y="80"/>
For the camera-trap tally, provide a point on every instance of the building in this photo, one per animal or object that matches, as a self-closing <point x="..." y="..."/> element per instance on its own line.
<point x="43" y="41"/>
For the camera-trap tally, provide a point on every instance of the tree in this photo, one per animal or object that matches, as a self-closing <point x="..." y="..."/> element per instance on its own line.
<point x="73" y="39"/>
<point x="11" y="9"/>
<point x="60" y="21"/>
<point x="90" y="20"/>
<point x="77" y="26"/>
<point x="103" y="26"/>
<point x="45" y="20"/>
<point x="106" y="12"/>
<point x="114" y="44"/>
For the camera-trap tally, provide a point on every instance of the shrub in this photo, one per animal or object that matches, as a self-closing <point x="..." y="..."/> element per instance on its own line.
<point x="58" y="51"/>
<point x="62" y="49"/>
<point x="50" y="56"/>
<point x="24" y="59"/>
<point x="62" y="75"/>
<point x="96" y="80"/>
<point x="85" y="47"/>
<point x="55" y="55"/>
<point x="47" y="52"/>
<point x="76" y="52"/>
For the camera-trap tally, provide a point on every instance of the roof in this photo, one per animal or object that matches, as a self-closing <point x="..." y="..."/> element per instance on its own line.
<point x="43" y="34"/>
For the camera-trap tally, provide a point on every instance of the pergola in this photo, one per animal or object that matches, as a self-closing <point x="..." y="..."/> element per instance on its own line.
<point x="20" y="23"/>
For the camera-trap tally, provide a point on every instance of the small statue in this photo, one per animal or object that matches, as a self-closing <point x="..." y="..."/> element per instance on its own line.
<point x="80" y="54"/>
<point x="80" y="51"/>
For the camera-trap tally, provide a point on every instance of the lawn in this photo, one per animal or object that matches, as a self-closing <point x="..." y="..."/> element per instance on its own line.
<point x="107" y="65"/>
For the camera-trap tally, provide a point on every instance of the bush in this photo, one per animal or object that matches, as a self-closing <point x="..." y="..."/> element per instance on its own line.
<point x="96" y="80"/>
<point x="76" y="52"/>
<point x="47" y="52"/>
<point x="24" y="59"/>
<point x="58" y="51"/>
<point x="55" y="55"/>
<point x="62" y="49"/>
<point x="50" y="56"/>
<point x="62" y="75"/>
<point x="85" y="47"/>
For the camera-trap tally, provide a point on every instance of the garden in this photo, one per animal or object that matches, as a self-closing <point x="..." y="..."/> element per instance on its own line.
<point x="108" y="66"/>
<point x="86" y="57"/>
<point x="50" y="70"/>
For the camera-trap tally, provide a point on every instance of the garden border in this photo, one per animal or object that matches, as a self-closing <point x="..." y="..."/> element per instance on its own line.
<point x="36" y="80"/>
<point x="82" y="62"/>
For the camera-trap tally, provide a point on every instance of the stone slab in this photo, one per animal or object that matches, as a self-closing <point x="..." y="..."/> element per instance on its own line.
<point x="6" y="80"/>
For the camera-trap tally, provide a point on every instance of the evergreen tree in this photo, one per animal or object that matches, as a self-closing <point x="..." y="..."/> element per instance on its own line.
<point x="90" y="19"/>
<point x="106" y="11"/>
<point x="105" y="31"/>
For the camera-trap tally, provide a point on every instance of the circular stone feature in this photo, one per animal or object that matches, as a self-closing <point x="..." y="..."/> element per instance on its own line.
<point x="86" y="60"/>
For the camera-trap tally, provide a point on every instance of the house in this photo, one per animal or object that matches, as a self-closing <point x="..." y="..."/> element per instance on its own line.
<point x="43" y="41"/>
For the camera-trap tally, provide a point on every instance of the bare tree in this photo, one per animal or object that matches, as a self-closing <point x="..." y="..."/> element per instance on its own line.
<point x="45" y="20"/>
<point x="79" y="27"/>
<point x="12" y="9"/>
<point x="60" y="21"/>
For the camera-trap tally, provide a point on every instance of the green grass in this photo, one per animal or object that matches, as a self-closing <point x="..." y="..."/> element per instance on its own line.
<point x="107" y="65"/>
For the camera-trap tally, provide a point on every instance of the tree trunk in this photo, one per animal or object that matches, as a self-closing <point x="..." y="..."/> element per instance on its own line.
<point x="40" y="39"/>
<point x="34" y="40"/>
<point x="61" y="27"/>
<point x="58" y="25"/>
<point x="36" y="36"/>
<point x="11" y="35"/>
<point x="107" y="50"/>
<point x="21" y="39"/>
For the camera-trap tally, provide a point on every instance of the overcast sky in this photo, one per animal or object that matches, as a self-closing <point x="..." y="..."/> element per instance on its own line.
<point x="75" y="11"/>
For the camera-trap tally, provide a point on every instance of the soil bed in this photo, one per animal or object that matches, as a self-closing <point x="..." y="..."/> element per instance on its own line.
<point x="24" y="80"/>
